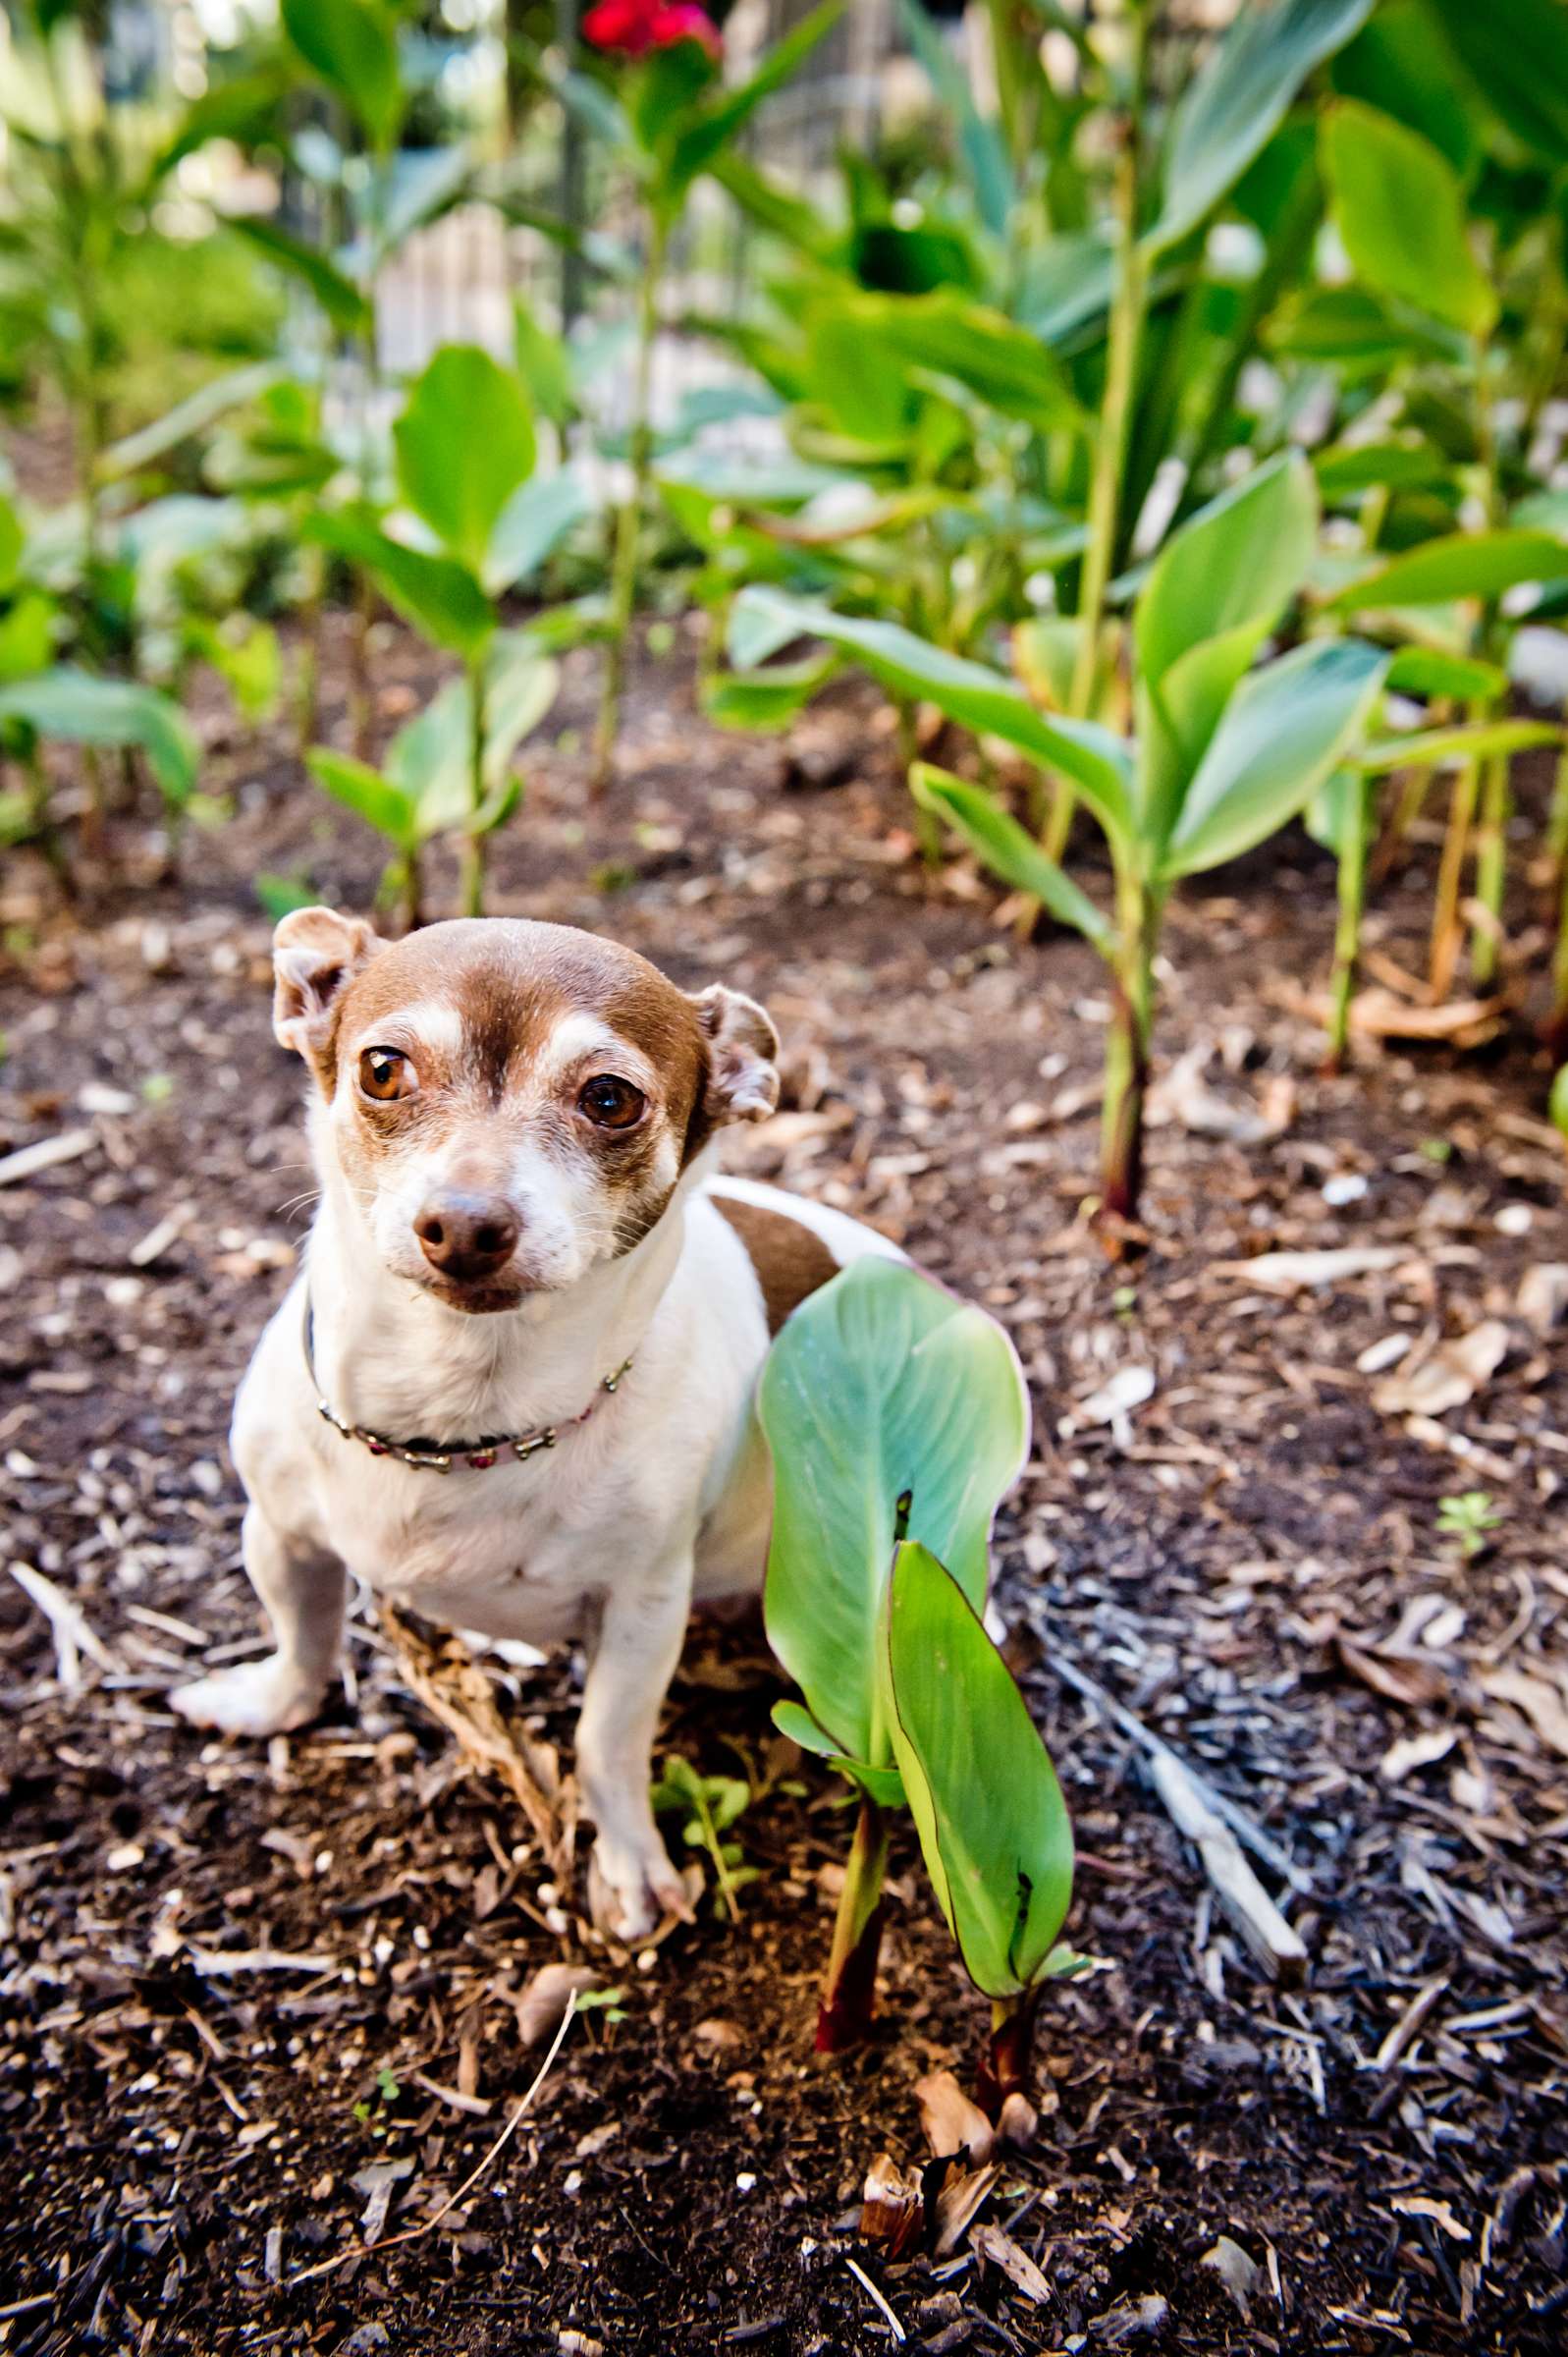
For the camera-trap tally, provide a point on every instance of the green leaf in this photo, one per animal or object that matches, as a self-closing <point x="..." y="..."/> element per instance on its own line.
<point x="993" y="1824"/>
<point x="343" y="304"/>
<point x="1424" y="749"/>
<point x="75" y="707"/>
<point x="1234" y="566"/>
<point x="1387" y="465"/>
<point x="440" y="596"/>
<point x="764" y="699"/>
<point x="416" y="188"/>
<point x="1004" y="846"/>
<point x="1284" y="730"/>
<point x="1426" y="671"/>
<point x="1238" y="100"/>
<point x="879" y="1384"/>
<point x="1479" y="565"/>
<point x="532" y="524"/>
<point x="1401" y="214"/>
<point x="980" y="140"/>
<point x="187" y="419"/>
<point x="969" y="693"/>
<point x="465" y="443"/>
<point x="544" y="365"/>
<point x="1003" y="365"/>
<point x="794" y="1720"/>
<point x="279" y="896"/>
<point x="1558" y="1105"/>
<point x="366" y="793"/>
<point x="1338" y="813"/>
<point x="12" y="540"/>
<point x="698" y="144"/>
<point x="27" y="634"/>
<point x="352" y="45"/>
<point x="1516" y="52"/>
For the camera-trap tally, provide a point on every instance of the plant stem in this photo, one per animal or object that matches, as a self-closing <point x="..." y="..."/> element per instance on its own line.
<point x="1445" y="927"/>
<point x="473" y="881"/>
<point x="1347" y="932"/>
<point x="1492" y="867"/>
<point x="1004" y="2067"/>
<point x="849" y="1988"/>
<point x="1128" y="299"/>
<point x="1127" y="1049"/>
<point x="628" y="521"/>
<point x="1556" y="1031"/>
<point x="1558" y="820"/>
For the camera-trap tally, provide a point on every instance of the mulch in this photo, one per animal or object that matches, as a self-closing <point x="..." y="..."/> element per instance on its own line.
<point x="260" y="2005"/>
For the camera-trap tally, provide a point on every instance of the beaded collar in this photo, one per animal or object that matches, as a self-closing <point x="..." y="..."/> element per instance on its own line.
<point x="439" y="1456"/>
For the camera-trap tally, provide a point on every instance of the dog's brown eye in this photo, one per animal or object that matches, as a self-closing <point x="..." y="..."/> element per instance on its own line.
<point x="386" y="1075"/>
<point x="614" y="1104"/>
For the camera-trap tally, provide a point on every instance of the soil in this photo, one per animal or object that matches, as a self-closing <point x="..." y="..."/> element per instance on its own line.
<point x="258" y="2005"/>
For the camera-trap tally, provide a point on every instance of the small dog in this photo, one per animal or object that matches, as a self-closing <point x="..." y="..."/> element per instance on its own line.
<point x="513" y="1387"/>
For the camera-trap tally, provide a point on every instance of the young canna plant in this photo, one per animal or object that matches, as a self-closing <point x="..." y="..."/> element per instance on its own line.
<point x="474" y="521"/>
<point x="890" y="1408"/>
<point x="993" y="1824"/>
<point x="1223" y="756"/>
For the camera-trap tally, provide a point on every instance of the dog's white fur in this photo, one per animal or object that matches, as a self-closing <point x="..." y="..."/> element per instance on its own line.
<point x="661" y="1497"/>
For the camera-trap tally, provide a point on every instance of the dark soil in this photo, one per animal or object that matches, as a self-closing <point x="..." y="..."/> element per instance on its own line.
<point x="1250" y="1561"/>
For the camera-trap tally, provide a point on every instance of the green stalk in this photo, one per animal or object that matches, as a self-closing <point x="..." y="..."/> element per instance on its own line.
<point x="1128" y="1048"/>
<point x="629" y="521"/>
<point x="1556" y="1031"/>
<point x="1129" y="297"/>
<point x="848" y="1991"/>
<point x="1347" y="933"/>
<point x="1492" y="867"/>
<point x="1557" y="819"/>
<point x="472" y="874"/>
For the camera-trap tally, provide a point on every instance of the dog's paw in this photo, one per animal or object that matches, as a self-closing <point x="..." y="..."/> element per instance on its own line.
<point x="254" y="1698"/>
<point x="632" y="1891"/>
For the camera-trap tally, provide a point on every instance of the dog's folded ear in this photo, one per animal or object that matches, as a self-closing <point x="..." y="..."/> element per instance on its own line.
<point x="315" y="954"/>
<point x="742" y="1083"/>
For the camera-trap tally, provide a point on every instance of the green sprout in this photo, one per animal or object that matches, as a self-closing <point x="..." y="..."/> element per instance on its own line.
<point x="1470" y="1518"/>
<point x="710" y="1805"/>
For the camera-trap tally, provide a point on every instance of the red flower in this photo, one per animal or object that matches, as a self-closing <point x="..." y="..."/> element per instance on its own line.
<point x="634" y="27"/>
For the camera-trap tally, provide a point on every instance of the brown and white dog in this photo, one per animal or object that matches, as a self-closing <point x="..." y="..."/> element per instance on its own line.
<point x="513" y="1387"/>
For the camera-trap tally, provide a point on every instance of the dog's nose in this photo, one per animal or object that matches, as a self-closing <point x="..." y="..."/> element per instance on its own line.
<point x="466" y="1236"/>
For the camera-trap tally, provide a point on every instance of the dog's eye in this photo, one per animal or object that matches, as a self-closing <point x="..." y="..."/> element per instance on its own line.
<point x="386" y="1074"/>
<point x="613" y="1104"/>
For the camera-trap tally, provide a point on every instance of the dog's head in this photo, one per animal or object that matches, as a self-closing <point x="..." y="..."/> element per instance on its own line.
<point x="509" y="1104"/>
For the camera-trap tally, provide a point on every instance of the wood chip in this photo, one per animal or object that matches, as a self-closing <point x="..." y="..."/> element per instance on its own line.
<point x="999" y="2250"/>
<point x="28" y="1161"/>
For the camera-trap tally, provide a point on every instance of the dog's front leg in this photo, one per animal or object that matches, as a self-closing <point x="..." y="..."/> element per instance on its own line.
<point x="304" y="1589"/>
<point x="632" y="1660"/>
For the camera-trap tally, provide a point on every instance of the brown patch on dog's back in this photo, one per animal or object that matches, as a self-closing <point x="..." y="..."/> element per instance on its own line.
<point x="791" y="1259"/>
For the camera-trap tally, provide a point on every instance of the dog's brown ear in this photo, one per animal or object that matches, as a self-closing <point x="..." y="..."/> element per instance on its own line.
<point x="315" y="954"/>
<point x="742" y="1083"/>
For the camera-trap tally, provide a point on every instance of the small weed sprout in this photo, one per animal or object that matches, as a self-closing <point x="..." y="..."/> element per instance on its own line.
<point x="709" y="1806"/>
<point x="374" y="2117"/>
<point x="1469" y="1518"/>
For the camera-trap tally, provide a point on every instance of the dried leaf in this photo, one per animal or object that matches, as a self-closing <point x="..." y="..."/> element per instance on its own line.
<point x="893" y="2208"/>
<point x="950" y="2121"/>
<point x="958" y="2203"/>
<point x="1540" y="1700"/>
<point x="1302" y="1272"/>
<point x="1127" y="1389"/>
<point x="1450" y="1377"/>
<point x="1183" y="1095"/>
<point x="547" y="1996"/>
<point x="1421" y="2205"/>
<point x="1410" y="1752"/>
<point x="1016" y="2265"/>
<point x="1542" y="1299"/>
<point x="1399" y="1677"/>
<point x="1236" y="2269"/>
<point x="1017" y="2123"/>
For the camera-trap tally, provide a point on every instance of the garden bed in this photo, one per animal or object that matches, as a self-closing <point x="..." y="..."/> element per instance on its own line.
<point x="1250" y="1561"/>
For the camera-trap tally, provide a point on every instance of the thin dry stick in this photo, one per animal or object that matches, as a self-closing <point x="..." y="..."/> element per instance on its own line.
<point x="861" y="2277"/>
<point x="413" y="2233"/>
<point x="455" y="1691"/>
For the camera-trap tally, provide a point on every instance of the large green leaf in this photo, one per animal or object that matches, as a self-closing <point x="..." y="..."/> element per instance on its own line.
<point x="1235" y="566"/>
<point x="440" y="596"/>
<point x="1284" y="730"/>
<point x="532" y="524"/>
<point x="1516" y="52"/>
<point x="1005" y="366"/>
<point x="431" y="758"/>
<point x="77" y="708"/>
<point x="969" y="693"/>
<point x="1460" y="565"/>
<point x="881" y="1384"/>
<point x="352" y="45"/>
<point x="12" y="540"/>
<point x="1239" y="99"/>
<point x="1478" y="741"/>
<point x="1401" y="214"/>
<point x="1429" y="670"/>
<point x="1004" y="846"/>
<point x="465" y="443"/>
<point x="993" y="1824"/>
<point x="1395" y="64"/>
<point x="980" y="140"/>
<point x="187" y="419"/>
<point x="698" y="144"/>
<point x="764" y="699"/>
<point x="382" y="804"/>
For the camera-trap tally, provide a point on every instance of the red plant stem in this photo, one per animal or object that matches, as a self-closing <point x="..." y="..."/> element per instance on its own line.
<point x="849" y="1985"/>
<point x="1003" y="2066"/>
